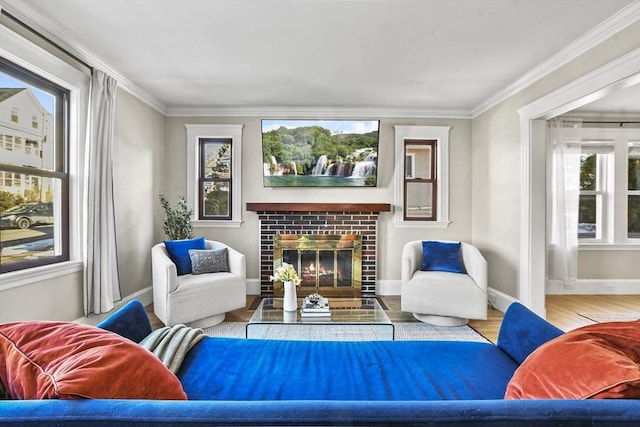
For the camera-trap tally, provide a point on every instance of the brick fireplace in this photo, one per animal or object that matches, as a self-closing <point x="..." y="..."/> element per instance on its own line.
<point x="278" y="219"/>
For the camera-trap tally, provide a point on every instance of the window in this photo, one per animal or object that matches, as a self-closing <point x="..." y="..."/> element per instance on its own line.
<point x="215" y="193"/>
<point x="213" y="174"/>
<point x="609" y="204"/>
<point x="421" y="182"/>
<point x="34" y="192"/>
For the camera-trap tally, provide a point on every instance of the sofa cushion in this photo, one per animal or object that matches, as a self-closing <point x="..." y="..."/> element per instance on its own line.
<point x="65" y="360"/>
<point x="264" y="370"/>
<point x="441" y="256"/>
<point x="209" y="260"/>
<point x="178" y="251"/>
<point x="596" y="361"/>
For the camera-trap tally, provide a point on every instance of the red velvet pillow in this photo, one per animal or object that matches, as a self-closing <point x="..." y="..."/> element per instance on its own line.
<point x="64" y="360"/>
<point x="593" y="362"/>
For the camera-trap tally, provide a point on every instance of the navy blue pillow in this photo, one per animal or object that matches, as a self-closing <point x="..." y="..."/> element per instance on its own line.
<point x="442" y="256"/>
<point x="179" y="252"/>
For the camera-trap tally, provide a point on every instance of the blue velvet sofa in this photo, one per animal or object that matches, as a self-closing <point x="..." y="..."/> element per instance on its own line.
<point x="261" y="382"/>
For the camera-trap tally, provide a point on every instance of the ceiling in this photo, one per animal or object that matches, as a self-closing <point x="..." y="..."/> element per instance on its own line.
<point x="446" y="56"/>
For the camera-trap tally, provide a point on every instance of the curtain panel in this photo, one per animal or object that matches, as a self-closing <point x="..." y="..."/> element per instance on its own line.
<point x="101" y="282"/>
<point x="563" y="136"/>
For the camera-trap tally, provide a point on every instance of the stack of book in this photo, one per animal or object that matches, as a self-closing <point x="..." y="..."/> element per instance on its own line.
<point x="315" y="306"/>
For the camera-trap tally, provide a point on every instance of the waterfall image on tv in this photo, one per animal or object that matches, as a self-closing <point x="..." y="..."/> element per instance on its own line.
<point x="320" y="153"/>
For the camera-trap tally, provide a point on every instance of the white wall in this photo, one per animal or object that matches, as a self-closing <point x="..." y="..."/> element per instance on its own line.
<point x="391" y="239"/>
<point x="138" y="177"/>
<point x="139" y="170"/>
<point x="496" y="162"/>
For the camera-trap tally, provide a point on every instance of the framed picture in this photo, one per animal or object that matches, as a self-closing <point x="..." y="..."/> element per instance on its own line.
<point x="320" y="153"/>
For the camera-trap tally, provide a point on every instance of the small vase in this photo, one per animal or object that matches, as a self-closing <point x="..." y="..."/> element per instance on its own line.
<point x="290" y="302"/>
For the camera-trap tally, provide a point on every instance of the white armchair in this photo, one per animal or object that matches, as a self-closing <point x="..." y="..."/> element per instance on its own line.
<point x="444" y="298"/>
<point x="199" y="300"/>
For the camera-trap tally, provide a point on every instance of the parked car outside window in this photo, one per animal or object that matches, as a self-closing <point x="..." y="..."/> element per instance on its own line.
<point x="26" y="215"/>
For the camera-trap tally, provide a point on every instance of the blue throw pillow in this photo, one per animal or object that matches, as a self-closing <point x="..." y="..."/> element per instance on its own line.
<point x="179" y="252"/>
<point x="442" y="256"/>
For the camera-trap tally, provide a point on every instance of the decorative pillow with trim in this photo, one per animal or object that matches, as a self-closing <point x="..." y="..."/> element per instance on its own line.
<point x="209" y="260"/>
<point x="179" y="252"/>
<point x="442" y="256"/>
<point x="593" y="362"/>
<point x="66" y="360"/>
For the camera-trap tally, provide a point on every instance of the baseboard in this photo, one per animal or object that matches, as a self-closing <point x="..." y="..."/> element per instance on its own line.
<point x="253" y="287"/>
<point x="388" y="287"/>
<point x="594" y="287"/>
<point x="499" y="300"/>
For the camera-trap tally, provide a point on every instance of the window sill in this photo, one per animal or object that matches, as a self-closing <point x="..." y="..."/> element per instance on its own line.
<point x="631" y="246"/>
<point x="421" y="224"/>
<point x="216" y="224"/>
<point x="16" y="279"/>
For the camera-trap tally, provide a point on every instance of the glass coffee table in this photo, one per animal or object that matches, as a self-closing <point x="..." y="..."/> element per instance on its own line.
<point x="352" y="319"/>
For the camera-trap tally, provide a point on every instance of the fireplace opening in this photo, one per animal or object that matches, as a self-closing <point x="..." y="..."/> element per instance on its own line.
<point x="330" y="264"/>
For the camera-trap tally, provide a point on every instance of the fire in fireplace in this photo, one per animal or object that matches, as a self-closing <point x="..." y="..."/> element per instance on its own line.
<point x="330" y="264"/>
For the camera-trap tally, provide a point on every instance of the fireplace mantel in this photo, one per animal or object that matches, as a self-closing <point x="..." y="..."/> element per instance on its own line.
<point x="319" y="207"/>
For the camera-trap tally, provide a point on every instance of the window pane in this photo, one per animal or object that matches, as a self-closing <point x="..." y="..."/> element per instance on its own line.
<point x="419" y="196"/>
<point x="588" y="172"/>
<point x="216" y="199"/>
<point x="587" y="217"/>
<point x="421" y="161"/>
<point x="30" y="229"/>
<point x="634" y="168"/>
<point x="217" y="160"/>
<point x="634" y="217"/>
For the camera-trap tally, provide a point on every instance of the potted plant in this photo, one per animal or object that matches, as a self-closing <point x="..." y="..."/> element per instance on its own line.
<point x="177" y="222"/>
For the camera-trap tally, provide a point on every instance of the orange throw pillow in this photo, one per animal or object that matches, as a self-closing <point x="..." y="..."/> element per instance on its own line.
<point x="65" y="360"/>
<point x="593" y="362"/>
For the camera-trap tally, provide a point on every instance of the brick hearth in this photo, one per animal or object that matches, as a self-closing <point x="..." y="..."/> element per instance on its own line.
<point x="319" y="218"/>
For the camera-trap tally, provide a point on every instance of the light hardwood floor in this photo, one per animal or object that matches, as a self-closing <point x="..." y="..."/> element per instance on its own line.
<point x="562" y="311"/>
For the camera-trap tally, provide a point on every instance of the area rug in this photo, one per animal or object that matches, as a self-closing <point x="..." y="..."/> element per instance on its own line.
<point x="404" y="331"/>
<point x="611" y="316"/>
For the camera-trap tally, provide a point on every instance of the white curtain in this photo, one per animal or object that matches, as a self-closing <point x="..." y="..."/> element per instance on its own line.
<point x="563" y="136"/>
<point x="101" y="282"/>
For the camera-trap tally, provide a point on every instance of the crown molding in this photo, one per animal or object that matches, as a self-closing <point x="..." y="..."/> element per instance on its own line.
<point x="40" y="24"/>
<point x="293" y="112"/>
<point x="613" y="25"/>
<point x="594" y="37"/>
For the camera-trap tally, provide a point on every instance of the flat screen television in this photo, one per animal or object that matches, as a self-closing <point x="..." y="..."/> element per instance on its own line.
<point x="320" y="153"/>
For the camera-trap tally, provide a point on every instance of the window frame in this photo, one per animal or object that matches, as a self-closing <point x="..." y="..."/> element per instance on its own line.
<point x="196" y="132"/>
<point x="439" y="134"/>
<point x="614" y="186"/>
<point x="32" y="57"/>
<point x="60" y="169"/>
<point x="203" y="180"/>
<point x="413" y="179"/>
